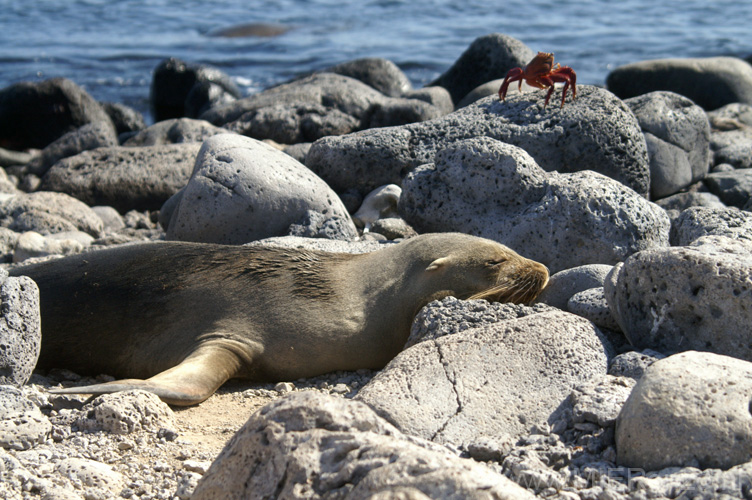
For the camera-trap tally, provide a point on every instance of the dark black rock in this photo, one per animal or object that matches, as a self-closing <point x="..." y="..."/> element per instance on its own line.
<point x="173" y="82"/>
<point x="32" y="115"/>
<point x="488" y="58"/>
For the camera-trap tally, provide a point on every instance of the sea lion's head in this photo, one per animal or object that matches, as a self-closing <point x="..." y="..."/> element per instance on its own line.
<point x="478" y="268"/>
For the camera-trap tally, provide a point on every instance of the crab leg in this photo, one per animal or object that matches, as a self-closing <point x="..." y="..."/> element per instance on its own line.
<point x="513" y="75"/>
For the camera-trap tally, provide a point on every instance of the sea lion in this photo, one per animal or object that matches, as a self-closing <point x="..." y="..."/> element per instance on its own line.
<point x="179" y="319"/>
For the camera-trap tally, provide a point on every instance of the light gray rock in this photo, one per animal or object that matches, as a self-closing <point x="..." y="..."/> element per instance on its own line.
<point x="380" y="203"/>
<point x="451" y="315"/>
<point x="438" y="96"/>
<point x="495" y="190"/>
<point x="174" y="131"/>
<point x="601" y="402"/>
<point x="315" y="224"/>
<point x="126" y="178"/>
<point x="22" y="425"/>
<point x="692" y="482"/>
<point x="481" y="91"/>
<point x="592" y="305"/>
<point x="677" y="133"/>
<point x="633" y="364"/>
<point x="96" y="479"/>
<point x="10" y="158"/>
<point x="682" y="201"/>
<point x="696" y="222"/>
<point x="32" y="244"/>
<point x="90" y="136"/>
<point x="335" y="246"/>
<point x="111" y="218"/>
<point x="393" y="228"/>
<point x="690" y="409"/>
<point x="20" y="331"/>
<point x="734" y="188"/>
<point x="47" y="213"/>
<point x="381" y="74"/>
<point x="313" y="107"/>
<point x="731" y="137"/>
<point x="737" y="113"/>
<point x="243" y="190"/>
<point x="495" y="381"/>
<point x="8" y="240"/>
<point x="684" y="298"/>
<point x="595" y="132"/>
<point x="298" y="151"/>
<point x="126" y="412"/>
<point x="735" y="154"/>
<point x="564" y="284"/>
<point x="489" y="57"/>
<point x="398" y="111"/>
<point x="311" y="446"/>
<point x="710" y="82"/>
<point x="7" y="185"/>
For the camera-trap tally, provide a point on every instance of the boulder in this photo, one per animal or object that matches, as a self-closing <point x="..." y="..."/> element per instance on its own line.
<point x="96" y="479"/>
<point x="491" y="382"/>
<point x="731" y="116"/>
<point x="688" y="410"/>
<point x="696" y="222"/>
<point x="489" y="57"/>
<point x="595" y="132"/>
<point x="22" y="425"/>
<point x="633" y="364"/>
<point x="20" y="332"/>
<point x="32" y="115"/>
<point x="681" y="201"/>
<point x="381" y="74"/>
<point x="316" y="106"/>
<point x="564" y="284"/>
<point x="438" y="96"/>
<point x="173" y="81"/>
<point x="710" y="82"/>
<point x="491" y="189"/>
<point x="378" y="204"/>
<point x="734" y="188"/>
<point x="125" y="119"/>
<point x="31" y="244"/>
<point x="90" y="136"/>
<point x="243" y="190"/>
<point x="174" y="131"/>
<point x="592" y="305"/>
<point x="126" y="178"/>
<point x="451" y="315"/>
<point x="732" y="148"/>
<point x="693" y="297"/>
<point x="311" y="446"/>
<point x="731" y="136"/>
<point x="677" y="134"/>
<point x="48" y="213"/>
<point x="481" y="91"/>
<point x="126" y="412"/>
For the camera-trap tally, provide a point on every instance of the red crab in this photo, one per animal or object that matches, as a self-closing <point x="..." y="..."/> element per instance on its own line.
<point x="541" y="73"/>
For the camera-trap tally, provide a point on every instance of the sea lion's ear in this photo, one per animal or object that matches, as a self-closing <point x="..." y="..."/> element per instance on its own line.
<point x="438" y="264"/>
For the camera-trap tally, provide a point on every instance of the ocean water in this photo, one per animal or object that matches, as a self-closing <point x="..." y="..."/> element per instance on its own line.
<point x="111" y="47"/>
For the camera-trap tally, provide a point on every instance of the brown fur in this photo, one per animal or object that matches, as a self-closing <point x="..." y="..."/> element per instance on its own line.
<point x="180" y="319"/>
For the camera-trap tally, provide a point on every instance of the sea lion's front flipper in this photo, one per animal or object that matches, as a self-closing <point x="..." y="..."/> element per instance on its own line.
<point x="189" y="383"/>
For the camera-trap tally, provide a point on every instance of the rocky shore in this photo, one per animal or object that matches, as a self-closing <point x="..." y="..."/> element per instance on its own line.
<point x="628" y="378"/>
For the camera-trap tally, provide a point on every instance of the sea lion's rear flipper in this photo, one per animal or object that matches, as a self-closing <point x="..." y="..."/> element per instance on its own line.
<point x="189" y="383"/>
